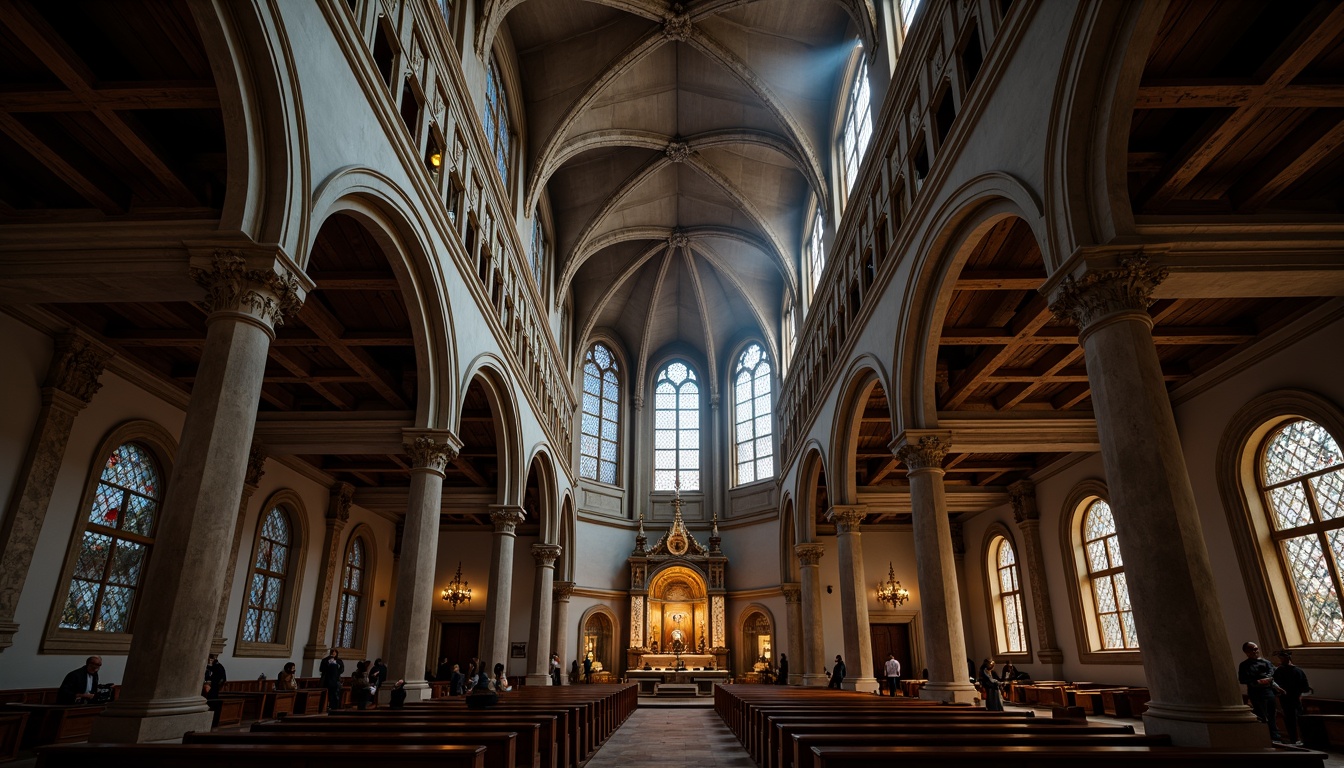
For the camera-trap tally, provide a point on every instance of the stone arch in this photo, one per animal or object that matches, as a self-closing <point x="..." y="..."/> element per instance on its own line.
<point x="385" y="211"/>
<point x="564" y="566"/>
<point x="749" y="653"/>
<point x="610" y="655"/>
<point x="788" y="539"/>
<point x="993" y="611"/>
<point x="947" y="242"/>
<point x="864" y="374"/>
<point x="491" y="373"/>
<point x="543" y="464"/>
<point x="810" y="478"/>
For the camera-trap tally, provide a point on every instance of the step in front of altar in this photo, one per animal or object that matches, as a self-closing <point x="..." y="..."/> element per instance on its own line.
<point x="676" y="690"/>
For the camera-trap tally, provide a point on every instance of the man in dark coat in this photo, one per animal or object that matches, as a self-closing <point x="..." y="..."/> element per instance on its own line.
<point x="837" y="673"/>
<point x="783" y="678"/>
<point x="215" y="677"/>
<point x="331" y="670"/>
<point x="81" y="685"/>
<point x="1257" y="674"/>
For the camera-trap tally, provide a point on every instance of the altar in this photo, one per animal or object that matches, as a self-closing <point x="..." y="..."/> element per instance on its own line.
<point x="704" y="680"/>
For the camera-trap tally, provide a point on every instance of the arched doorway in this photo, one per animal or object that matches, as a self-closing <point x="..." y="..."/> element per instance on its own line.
<point x="758" y="644"/>
<point x="597" y="641"/>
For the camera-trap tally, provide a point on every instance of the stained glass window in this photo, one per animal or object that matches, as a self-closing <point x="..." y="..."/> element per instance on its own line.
<point x="1106" y="571"/>
<point x="816" y="253"/>
<point x="790" y="334"/>
<point x="676" y="429"/>
<point x="539" y="256"/>
<point x="858" y="124"/>
<point x="908" y="8"/>
<point x="599" y="438"/>
<point x="752" y="416"/>
<point x="114" y="549"/>
<point x="266" y="592"/>
<point x="497" y="119"/>
<point x="352" y="595"/>
<point x="1012" y="618"/>
<point x="1302" y="478"/>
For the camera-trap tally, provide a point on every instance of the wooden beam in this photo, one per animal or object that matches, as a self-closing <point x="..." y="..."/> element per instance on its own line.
<point x="121" y="98"/>
<point x="881" y="474"/>
<point x="356" y="281"/>
<point x="304" y="374"/>
<point x="1051" y="364"/>
<point x="1070" y="396"/>
<point x="58" y="165"/>
<point x="1311" y="143"/>
<point x="999" y="280"/>
<point x="321" y="322"/>
<point x="1031" y="318"/>
<point x="466" y="468"/>
<point x="1228" y="94"/>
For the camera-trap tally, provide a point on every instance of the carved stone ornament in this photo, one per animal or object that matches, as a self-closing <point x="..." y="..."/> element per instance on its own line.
<point x="545" y="554"/>
<point x="929" y="452"/>
<point x="561" y="591"/>
<point x="793" y="595"/>
<point x="256" y="464"/>
<point x="847" y="519"/>
<point x="676" y="23"/>
<point x="1022" y="496"/>
<point x="677" y="151"/>
<point x="678" y="239"/>
<point x="809" y="554"/>
<point x="1104" y="292"/>
<point x="231" y="287"/>
<point x="342" y="494"/>
<point x="75" y="367"/>
<point x="507" y="520"/>
<point x="427" y="453"/>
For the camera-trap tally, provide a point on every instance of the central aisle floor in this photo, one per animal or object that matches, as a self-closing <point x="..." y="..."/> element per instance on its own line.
<point x="671" y="737"/>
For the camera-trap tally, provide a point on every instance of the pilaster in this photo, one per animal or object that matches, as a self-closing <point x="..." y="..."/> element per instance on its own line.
<point x="256" y="467"/>
<point x="338" y="515"/>
<point x="1022" y="496"/>
<point x="848" y="519"/>
<point x="793" y="610"/>
<point x="561" y="591"/>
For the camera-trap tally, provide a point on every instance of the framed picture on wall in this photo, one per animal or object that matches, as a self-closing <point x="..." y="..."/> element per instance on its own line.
<point x="518" y="650"/>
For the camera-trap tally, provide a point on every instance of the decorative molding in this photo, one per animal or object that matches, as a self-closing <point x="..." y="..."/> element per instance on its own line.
<point x="793" y="593"/>
<point x="230" y="286"/>
<point x="338" y="507"/>
<point x="927" y="453"/>
<point x="847" y="518"/>
<point x="1100" y="293"/>
<point x="809" y="554"/>
<point x="1022" y="497"/>
<point x="545" y="555"/>
<point x="677" y="151"/>
<point x="76" y="364"/>
<point x="507" y="519"/>
<point x="561" y="591"/>
<point x="677" y="23"/>
<point x="256" y="464"/>
<point x="431" y="449"/>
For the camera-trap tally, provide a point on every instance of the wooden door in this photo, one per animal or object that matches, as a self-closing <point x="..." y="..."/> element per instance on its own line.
<point x="460" y="643"/>
<point x="892" y="638"/>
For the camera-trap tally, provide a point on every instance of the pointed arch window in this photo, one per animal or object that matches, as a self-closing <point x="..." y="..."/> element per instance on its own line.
<point x="115" y="545"/>
<point x="676" y="430"/>
<point x="1302" y="481"/>
<point x="497" y="119"/>
<point x="270" y="571"/>
<point x="1010" y="618"/>
<point x="1106" y="573"/>
<point x="858" y="124"/>
<point x="599" y="442"/>
<point x="539" y="255"/>
<point x="752" y="416"/>
<point x="816" y="252"/>
<point x="350" y="619"/>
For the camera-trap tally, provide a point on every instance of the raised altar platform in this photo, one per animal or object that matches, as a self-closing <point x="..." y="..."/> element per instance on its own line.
<point x="703" y="679"/>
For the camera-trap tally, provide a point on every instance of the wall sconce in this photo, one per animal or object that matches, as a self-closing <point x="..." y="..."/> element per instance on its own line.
<point x="457" y="591"/>
<point x="891" y="591"/>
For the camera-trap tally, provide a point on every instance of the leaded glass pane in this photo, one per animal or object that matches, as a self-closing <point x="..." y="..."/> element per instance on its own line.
<point x="591" y="404"/>
<point x="763" y="446"/>
<point x="761" y="387"/>
<point x="1315" y="589"/>
<point x="92" y="561"/>
<point x="114" y="614"/>
<point x="78" y="611"/>
<point x="688" y="420"/>
<point x="257" y="593"/>
<point x="689" y="459"/>
<point x="1113" y="550"/>
<point x="665" y="459"/>
<point x="608" y="452"/>
<point x="763" y="407"/>
<point x="742" y="412"/>
<point x="1291" y="508"/>
<point x="357" y="554"/>
<point x="765" y="467"/>
<point x="274" y="587"/>
<point x="251" y="624"/>
<point x="1111" y="636"/>
<point x="744" y="453"/>
<point x="276" y="528"/>
<point x="762" y="425"/>
<point x="588" y="445"/>
<point x="1329" y="490"/>
<point x="356" y="580"/>
<point x="610" y="390"/>
<point x="1131" y="634"/>
<point x="1005" y="580"/>
<point x="609" y="434"/>
<point x="279" y="556"/>
<point x="1099" y="521"/>
<point x="608" y="473"/>
<point x="1105" y="590"/>
<point x="665" y="420"/>
<point x="743" y="432"/>
<point x="1096" y="556"/>
<point x="746" y="473"/>
<point x="1297" y="449"/>
<point x="689" y="399"/>
<point x="1121" y="590"/>
<point x="1006" y="554"/>
<point x="127" y="557"/>
<point x="664" y="479"/>
<point x="589" y="424"/>
<point x="267" y="633"/>
<point x="592" y="383"/>
<point x="688" y="440"/>
<point x="139" y="515"/>
<point x="665" y="440"/>
<point x="106" y="506"/>
<point x="131" y="467"/>
<point x="690" y="480"/>
<point x="742" y="392"/>
<point x="263" y="554"/>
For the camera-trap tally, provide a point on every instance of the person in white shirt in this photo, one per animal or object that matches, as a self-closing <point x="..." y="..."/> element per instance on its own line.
<point x="893" y="672"/>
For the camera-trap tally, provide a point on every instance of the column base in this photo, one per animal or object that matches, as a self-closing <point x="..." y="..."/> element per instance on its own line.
<point x="538" y="679"/>
<point x="418" y="690"/>
<point x="1225" y="727"/>
<point x="861" y="684"/>
<point x="815" y="681"/>
<point x="949" y="693"/>
<point x="158" y="720"/>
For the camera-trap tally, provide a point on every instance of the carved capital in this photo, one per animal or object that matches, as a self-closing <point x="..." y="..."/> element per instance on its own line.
<point x="1022" y="495"/>
<point x="847" y="518"/>
<point x="676" y="23"/>
<point x="338" y="505"/>
<point x="927" y="452"/>
<point x="809" y="554"/>
<point x="507" y="519"/>
<point x="639" y="403"/>
<point x="677" y="151"/>
<point x="561" y="591"/>
<point x="545" y="554"/>
<point x="256" y="464"/>
<point x="430" y="449"/>
<point x="793" y="593"/>
<point x="267" y="294"/>
<point x="76" y="364"/>
<point x="1103" y="292"/>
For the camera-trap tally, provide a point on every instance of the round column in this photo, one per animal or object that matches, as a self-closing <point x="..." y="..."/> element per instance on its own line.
<point x="539" y="639"/>
<point x="853" y="596"/>
<point x="561" y="591"/>
<point x="793" y="609"/>
<point x="813" y="666"/>
<point x="495" y="640"/>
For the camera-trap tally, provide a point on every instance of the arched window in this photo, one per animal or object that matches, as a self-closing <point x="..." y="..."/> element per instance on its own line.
<point x="1302" y="481"/>
<point x="1010" y="616"/>
<point x="349" y="620"/>
<point x="858" y="124"/>
<point x="908" y="8"/>
<point x="599" y="442"/>
<point x="538" y="252"/>
<point x="270" y="569"/>
<point x="676" y="435"/>
<point x="115" y="545"/>
<point x="790" y="334"/>
<point x="1106" y="573"/>
<point x="497" y="119"/>
<point x="816" y="253"/>
<point x="755" y="455"/>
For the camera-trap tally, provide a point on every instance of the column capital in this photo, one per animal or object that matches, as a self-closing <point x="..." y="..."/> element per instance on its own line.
<point x="847" y="517"/>
<point x="263" y="286"/>
<point x="545" y="555"/>
<point x="922" y="449"/>
<point x="338" y="506"/>
<point x="1106" y="286"/>
<point x="430" y="449"/>
<point x="809" y="554"/>
<point x="1022" y="496"/>
<point x="76" y="364"/>
<point x="793" y="593"/>
<point x="561" y="591"/>
<point x="506" y="517"/>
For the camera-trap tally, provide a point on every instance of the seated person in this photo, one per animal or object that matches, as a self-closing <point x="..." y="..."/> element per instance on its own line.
<point x="81" y="685"/>
<point x="501" y="680"/>
<point x="285" y="680"/>
<point x="481" y="696"/>
<point x="398" y="698"/>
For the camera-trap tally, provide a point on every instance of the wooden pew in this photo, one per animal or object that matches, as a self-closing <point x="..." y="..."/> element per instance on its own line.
<point x="802" y="745"/>
<point x="310" y="701"/>
<point x="260" y="756"/>
<point x="258" y="705"/>
<point x="12" y="726"/>
<point x="227" y="711"/>
<point x="956" y="756"/>
<point x="500" y="746"/>
<point x="532" y="737"/>
<point x="55" y="723"/>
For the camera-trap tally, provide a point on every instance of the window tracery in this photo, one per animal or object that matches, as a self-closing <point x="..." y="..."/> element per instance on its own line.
<point x="753" y="416"/>
<point x="599" y="441"/>
<point x="676" y="436"/>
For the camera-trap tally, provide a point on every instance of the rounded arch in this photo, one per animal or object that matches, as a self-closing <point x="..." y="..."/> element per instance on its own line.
<point x="946" y="244"/>
<point x="759" y="639"/>
<point x="352" y="604"/>
<point x="490" y="373"/>
<point x="1006" y="614"/>
<point x="811" y="478"/>
<point x="593" y="642"/>
<point x="1078" y="576"/>
<point x="295" y="513"/>
<point x="543" y="463"/>
<point x="788" y="538"/>
<point x="564" y="566"/>
<point x="385" y="211"/>
<point x="865" y="373"/>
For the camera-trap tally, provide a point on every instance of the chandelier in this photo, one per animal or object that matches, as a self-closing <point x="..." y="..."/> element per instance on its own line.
<point x="889" y="591"/>
<point x="457" y="590"/>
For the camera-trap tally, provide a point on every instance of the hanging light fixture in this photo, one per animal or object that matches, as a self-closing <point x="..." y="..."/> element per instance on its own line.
<point x="889" y="591"/>
<point x="457" y="590"/>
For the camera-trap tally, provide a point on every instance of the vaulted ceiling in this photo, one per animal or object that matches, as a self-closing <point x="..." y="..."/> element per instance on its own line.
<point x="678" y="148"/>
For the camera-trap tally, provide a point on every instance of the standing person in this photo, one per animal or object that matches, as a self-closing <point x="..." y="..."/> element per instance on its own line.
<point x="987" y="680"/>
<point x="892" y="669"/>
<point x="285" y="680"/>
<point x="331" y="669"/>
<point x="1293" y="681"/>
<point x="574" y="672"/>
<point x="359" y="685"/>
<point x="783" y="678"/>
<point x="1257" y="674"/>
<point x="81" y="685"/>
<point x="837" y="672"/>
<point x="214" y="677"/>
<point x="457" y="683"/>
<point x="377" y="673"/>
<point x="588" y="668"/>
<point x="555" y="669"/>
<point x="445" y="669"/>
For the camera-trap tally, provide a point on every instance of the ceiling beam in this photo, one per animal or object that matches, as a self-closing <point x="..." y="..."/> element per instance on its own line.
<point x="60" y="167"/>
<point x="1031" y="318"/>
<point x="136" y="96"/>
<point x="999" y="280"/>
<point x="321" y="322"/>
<point x="1224" y="94"/>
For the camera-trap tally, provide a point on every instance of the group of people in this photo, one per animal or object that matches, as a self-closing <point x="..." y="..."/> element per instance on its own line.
<point x="1268" y="687"/>
<point x="365" y="681"/>
<point x="476" y="678"/>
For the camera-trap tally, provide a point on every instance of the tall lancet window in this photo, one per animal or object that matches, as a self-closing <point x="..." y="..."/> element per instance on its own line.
<point x="599" y="444"/>
<point x="1106" y="571"/>
<point x="676" y="429"/>
<point x="266" y="594"/>
<point x="349" y="620"/>
<point x="497" y="119"/>
<point x="816" y="251"/>
<point x="858" y="126"/>
<point x="752" y="412"/>
<point x="1010" y="619"/>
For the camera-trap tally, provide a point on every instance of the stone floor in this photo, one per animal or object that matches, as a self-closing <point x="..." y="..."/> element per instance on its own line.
<point x="671" y="737"/>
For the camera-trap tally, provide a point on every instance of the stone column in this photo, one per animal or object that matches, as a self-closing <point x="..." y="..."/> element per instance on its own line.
<point x="958" y="536"/>
<point x="940" y="599"/>
<point x="1186" y="658"/>
<point x="1022" y="495"/>
<point x="793" y="616"/>
<point x="338" y="515"/>
<point x="539" y="639"/>
<point x="853" y="596"/>
<point x="495" y="645"/>
<point x="72" y="381"/>
<point x="256" y="463"/>
<point x="246" y="298"/>
<point x="561" y="591"/>
<point x="430" y="450"/>
<point x="813" y="667"/>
